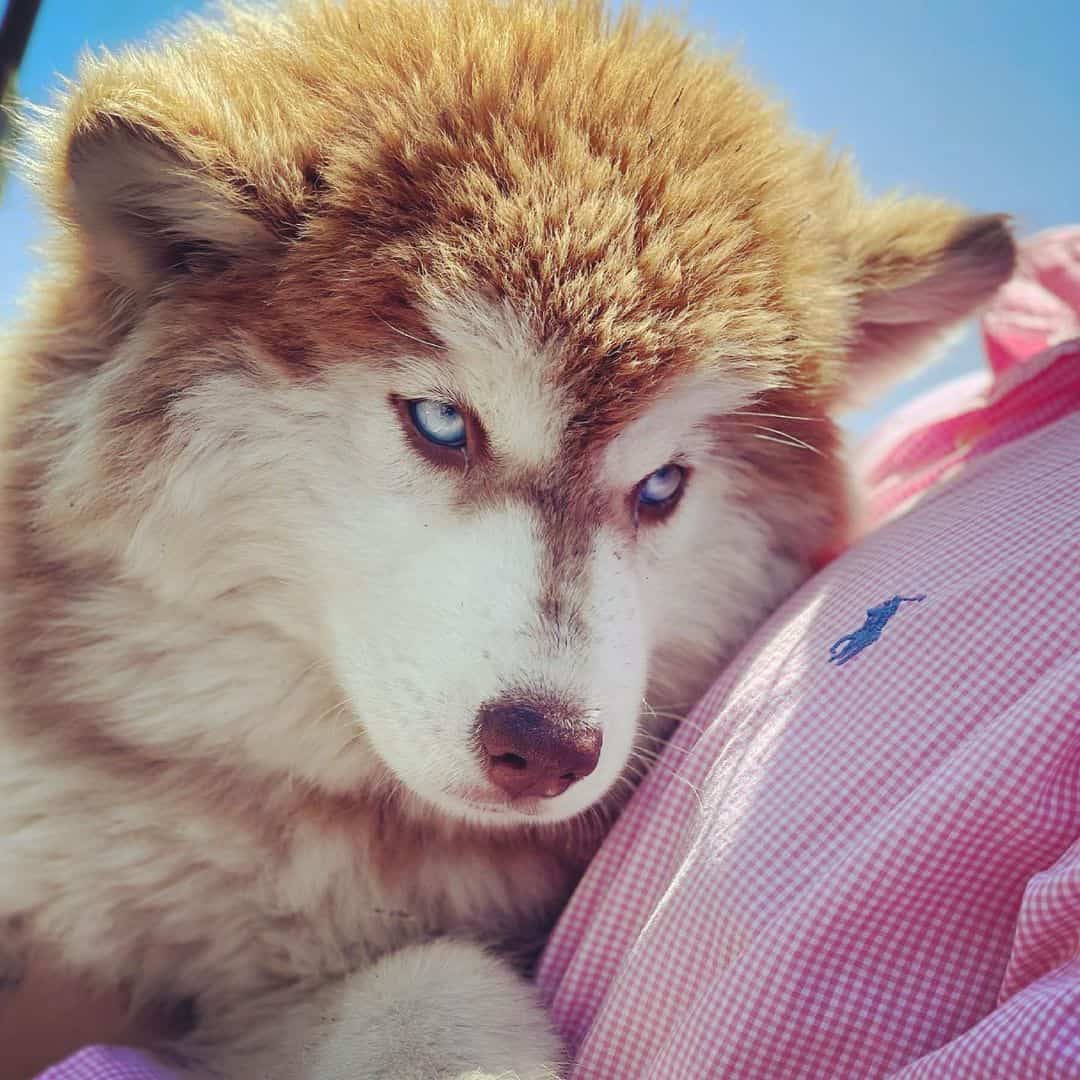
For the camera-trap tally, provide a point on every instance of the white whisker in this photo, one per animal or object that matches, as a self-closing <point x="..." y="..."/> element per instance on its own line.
<point x="795" y="444"/>
<point x="781" y="416"/>
<point x="411" y="337"/>
<point x="665" y="768"/>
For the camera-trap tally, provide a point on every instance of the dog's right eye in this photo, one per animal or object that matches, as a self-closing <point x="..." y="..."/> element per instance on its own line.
<point x="438" y="422"/>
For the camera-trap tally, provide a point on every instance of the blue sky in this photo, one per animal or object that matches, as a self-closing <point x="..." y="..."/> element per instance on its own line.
<point x="976" y="101"/>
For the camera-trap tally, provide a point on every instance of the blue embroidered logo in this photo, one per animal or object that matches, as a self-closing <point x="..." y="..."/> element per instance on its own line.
<point x="840" y="652"/>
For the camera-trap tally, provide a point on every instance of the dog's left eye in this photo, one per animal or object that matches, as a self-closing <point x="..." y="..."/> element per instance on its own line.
<point x="439" y="422"/>
<point x="661" y="488"/>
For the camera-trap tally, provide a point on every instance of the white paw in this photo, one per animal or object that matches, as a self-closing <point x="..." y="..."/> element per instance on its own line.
<point x="442" y="1011"/>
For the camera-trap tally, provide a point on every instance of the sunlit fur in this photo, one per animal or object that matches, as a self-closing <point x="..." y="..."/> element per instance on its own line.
<point x="250" y="624"/>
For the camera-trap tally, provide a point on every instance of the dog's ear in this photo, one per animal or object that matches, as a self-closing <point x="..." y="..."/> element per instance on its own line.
<point x="148" y="212"/>
<point x="922" y="267"/>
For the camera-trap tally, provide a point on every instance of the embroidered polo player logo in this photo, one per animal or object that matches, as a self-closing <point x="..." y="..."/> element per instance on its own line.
<point x="840" y="652"/>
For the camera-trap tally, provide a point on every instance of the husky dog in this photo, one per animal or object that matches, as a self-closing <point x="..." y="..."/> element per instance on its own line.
<point x="421" y="401"/>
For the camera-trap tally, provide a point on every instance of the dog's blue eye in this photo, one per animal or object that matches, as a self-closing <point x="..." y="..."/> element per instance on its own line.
<point x="662" y="486"/>
<point x="438" y="422"/>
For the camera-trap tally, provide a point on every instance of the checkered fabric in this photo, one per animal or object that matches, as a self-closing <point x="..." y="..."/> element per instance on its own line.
<point x="105" y="1063"/>
<point x="872" y="869"/>
<point x="869" y="869"/>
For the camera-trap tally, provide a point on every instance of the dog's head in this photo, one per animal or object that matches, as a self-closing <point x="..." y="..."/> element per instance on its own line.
<point x="487" y="351"/>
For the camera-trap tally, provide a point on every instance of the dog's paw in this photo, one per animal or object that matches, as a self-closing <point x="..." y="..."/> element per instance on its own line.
<point x="443" y="1011"/>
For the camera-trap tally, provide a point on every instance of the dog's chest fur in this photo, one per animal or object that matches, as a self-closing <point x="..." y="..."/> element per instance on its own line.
<point x="195" y="882"/>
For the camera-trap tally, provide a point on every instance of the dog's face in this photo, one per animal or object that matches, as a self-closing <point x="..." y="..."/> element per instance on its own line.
<point x="510" y="432"/>
<point x="497" y="590"/>
<point x="499" y="594"/>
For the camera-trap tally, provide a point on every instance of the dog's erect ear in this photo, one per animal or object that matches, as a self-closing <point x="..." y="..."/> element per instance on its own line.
<point x="147" y="212"/>
<point x="922" y="268"/>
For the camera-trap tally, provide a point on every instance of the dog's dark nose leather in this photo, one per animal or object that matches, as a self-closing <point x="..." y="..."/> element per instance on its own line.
<point x="527" y="753"/>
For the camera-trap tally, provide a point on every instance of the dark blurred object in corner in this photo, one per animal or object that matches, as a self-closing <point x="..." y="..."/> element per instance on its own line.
<point x="19" y="17"/>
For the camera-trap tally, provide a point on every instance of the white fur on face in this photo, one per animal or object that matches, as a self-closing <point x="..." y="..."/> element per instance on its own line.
<point x="309" y="504"/>
<point x="442" y="615"/>
<point x="500" y="371"/>
<point x="434" y="612"/>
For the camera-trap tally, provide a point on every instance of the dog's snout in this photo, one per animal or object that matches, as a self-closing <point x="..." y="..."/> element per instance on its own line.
<point x="528" y="752"/>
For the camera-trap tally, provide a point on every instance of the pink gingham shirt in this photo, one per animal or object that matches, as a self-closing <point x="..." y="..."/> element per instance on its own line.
<point x="870" y="868"/>
<point x="108" y="1063"/>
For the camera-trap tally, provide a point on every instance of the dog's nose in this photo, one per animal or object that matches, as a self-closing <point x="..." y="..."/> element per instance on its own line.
<point x="526" y="753"/>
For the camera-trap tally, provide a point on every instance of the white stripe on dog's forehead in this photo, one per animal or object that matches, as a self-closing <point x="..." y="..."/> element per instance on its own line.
<point x="493" y="360"/>
<point x="504" y="375"/>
